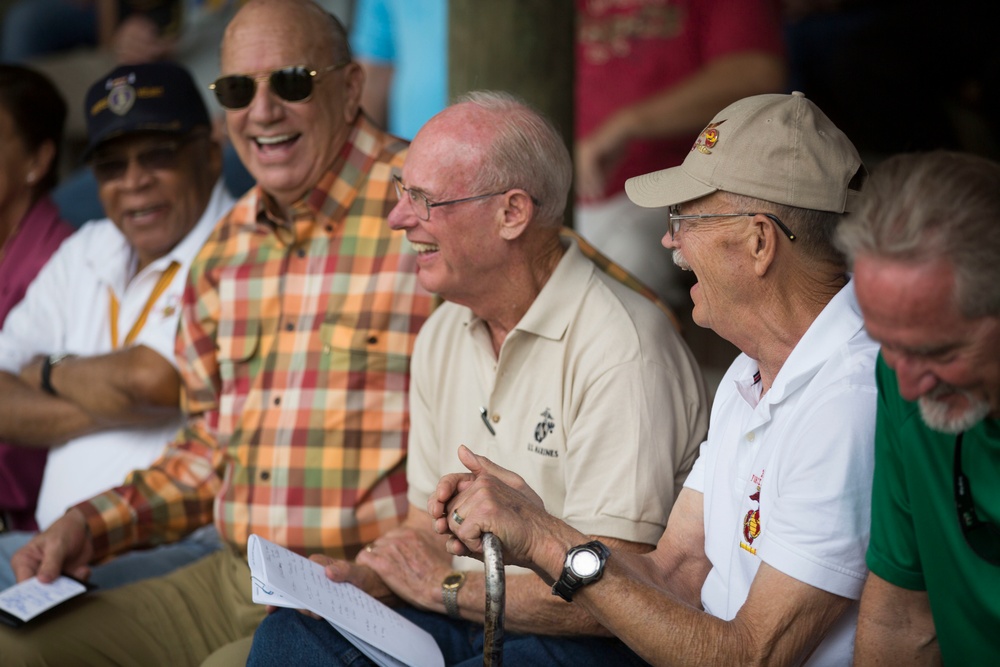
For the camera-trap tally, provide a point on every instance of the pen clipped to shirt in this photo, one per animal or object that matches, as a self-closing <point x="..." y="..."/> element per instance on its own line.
<point x="486" y="420"/>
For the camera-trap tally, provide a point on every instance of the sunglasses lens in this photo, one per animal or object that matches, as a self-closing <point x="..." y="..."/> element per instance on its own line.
<point x="110" y="169"/>
<point x="155" y="158"/>
<point x="292" y="84"/>
<point x="159" y="157"/>
<point x="235" y="91"/>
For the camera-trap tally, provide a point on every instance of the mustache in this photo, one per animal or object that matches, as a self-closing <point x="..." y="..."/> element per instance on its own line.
<point x="679" y="260"/>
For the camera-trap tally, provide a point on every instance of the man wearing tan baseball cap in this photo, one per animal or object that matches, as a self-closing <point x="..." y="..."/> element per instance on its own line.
<point x="763" y="555"/>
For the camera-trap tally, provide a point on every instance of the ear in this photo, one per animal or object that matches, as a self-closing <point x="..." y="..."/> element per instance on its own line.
<point x="354" y="84"/>
<point x="763" y="244"/>
<point x="517" y="212"/>
<point x="41" y="161"/>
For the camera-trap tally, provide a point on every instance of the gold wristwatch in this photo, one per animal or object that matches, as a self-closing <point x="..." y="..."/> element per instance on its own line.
<point x="449" y="592"/>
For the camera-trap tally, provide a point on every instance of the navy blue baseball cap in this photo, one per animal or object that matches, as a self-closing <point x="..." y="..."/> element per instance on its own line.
<point x="153" y="97"/>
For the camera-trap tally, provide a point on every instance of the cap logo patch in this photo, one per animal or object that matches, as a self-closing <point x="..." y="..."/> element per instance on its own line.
<point x="121" y="94"/>
<point x="708" y="138"/>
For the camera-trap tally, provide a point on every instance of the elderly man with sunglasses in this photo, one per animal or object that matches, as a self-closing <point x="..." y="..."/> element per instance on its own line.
<point x="87" y="358"/>
<point x="296" y="330"/>
<point x="926" y="253"/>
<point x="762" y="559"/>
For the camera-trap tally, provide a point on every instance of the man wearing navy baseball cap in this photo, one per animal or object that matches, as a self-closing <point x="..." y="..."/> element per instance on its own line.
<point x="155" y="97"/>
<point x="87" y="364"/>
<point x="763" y="557"/>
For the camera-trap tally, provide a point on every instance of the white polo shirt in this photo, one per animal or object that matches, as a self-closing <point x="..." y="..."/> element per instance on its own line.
<point x="67" y="309"/>
<point x="595" y="400"/>
<point x="787" y="478"/>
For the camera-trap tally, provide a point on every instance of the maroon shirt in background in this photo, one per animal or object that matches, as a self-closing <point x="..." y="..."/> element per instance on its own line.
<point x="38" y="236"/>
<point x="628" y="50"/>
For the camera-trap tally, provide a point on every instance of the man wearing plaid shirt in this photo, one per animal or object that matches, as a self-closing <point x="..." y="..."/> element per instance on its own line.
<point x="298" y="321"/>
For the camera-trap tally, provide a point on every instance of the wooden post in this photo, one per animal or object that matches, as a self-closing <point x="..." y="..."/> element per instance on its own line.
<point x="522" y="46"/>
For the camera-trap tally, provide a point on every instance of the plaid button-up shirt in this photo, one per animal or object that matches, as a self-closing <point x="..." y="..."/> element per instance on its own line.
<point x="294" y="347"/>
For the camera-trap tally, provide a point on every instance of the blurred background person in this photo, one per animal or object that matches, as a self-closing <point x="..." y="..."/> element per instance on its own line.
<point x="649" y="75"/>
<point x="32" y="114"/>
<point x="118" y="32"/>
<point x="402" y="46"/>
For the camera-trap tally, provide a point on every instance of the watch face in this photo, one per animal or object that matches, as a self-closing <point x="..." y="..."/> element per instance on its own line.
<point x="453" y="580"/>
<point x="585" y="563"/>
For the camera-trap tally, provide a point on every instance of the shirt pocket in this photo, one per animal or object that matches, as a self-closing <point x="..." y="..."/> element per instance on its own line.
<point x="238" y="344"/>
<point x="364" y="351"/>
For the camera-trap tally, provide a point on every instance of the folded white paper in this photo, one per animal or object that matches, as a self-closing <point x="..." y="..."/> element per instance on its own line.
<point x="283" y="578"/>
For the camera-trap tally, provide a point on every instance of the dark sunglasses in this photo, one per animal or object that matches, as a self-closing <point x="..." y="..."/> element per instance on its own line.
<point x="158" y="156"/>
<point x="292" y="84"/>
<point x="982" y="537"/>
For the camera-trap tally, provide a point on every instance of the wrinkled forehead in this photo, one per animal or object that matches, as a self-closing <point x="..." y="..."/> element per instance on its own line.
<point x="265" y="37"/>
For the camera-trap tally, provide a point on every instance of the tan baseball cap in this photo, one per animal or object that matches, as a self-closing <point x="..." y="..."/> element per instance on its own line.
<point x="780" y="148"/>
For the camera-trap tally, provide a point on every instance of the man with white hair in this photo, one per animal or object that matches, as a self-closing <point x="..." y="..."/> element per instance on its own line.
<point x="762" y="559"/>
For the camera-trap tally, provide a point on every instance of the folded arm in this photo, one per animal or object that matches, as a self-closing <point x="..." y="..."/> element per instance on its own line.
<point x="129" y="387"/>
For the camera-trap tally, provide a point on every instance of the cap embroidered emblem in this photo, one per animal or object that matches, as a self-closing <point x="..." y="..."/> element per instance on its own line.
<point x="708" y="138"/>
<point x="122" y="96"/>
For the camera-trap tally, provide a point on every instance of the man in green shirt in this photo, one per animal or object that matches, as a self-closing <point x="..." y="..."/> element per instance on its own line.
<point x="926" y="251"/>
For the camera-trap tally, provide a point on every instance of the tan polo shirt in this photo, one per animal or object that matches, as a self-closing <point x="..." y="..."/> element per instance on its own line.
<point x="594" y="400"/>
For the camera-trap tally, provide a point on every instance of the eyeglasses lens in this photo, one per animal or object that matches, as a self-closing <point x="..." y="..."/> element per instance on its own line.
<point x="418" y="202"/>
<point x="154" y="158"/>
<point x="236" y="91"/>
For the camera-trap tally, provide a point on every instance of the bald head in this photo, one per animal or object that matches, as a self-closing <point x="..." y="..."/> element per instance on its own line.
<point x="508" y="144"/>
<point x="316" y="27"/>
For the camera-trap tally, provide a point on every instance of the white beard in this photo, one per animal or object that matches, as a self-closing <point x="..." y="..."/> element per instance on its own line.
<point x="935" y="412"/>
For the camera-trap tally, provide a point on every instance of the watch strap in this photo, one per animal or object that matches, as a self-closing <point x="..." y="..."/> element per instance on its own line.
<point x="48" y="364"/>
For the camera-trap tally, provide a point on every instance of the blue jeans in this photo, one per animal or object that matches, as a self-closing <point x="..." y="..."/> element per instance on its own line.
<point x="129" y="567"/>
<point x="287" y="637"/>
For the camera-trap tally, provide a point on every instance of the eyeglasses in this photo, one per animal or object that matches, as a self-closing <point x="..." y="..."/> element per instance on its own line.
<point x="674" y="219"/>
<point x="292" y="84"/>
<point x="422" y="206"/>
<point x="983" y="537"/>
<point x="159" y="156"/>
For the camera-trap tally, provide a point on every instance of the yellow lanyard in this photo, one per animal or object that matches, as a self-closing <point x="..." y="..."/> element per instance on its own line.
<point x="158" y="289"/>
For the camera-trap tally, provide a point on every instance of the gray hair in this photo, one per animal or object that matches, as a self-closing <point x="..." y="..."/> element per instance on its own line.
<point x="924" y="206"/>
<point x="527" y="152"/>
<point x="814" y="230"/>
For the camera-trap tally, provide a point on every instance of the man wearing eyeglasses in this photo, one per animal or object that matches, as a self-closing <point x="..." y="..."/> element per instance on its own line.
<point x="87" y="359"/>
<point x="297" y="325"/>
<point x="538" y="359"/>
<point x="762" y="559"/>
<point x="926" y="252"/>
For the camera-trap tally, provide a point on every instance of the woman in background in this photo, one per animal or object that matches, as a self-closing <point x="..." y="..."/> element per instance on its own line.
<point x="32" y="115"/>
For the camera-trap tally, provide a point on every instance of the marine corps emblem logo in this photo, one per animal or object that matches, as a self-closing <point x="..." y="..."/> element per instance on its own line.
<point x="707" y="139"/>
<point x="544" y="427"/>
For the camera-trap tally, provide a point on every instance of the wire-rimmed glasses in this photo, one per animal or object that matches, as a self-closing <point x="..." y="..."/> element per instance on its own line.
<point x="422" y="206"/>
<point x="675" y="218"/>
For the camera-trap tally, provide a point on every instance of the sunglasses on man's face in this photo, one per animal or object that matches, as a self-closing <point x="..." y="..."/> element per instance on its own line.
<point x="292" y="84"/>
<point x="112" y="165"/>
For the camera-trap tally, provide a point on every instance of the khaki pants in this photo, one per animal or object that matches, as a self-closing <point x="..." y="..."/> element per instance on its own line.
<point x="176" y="620"/>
